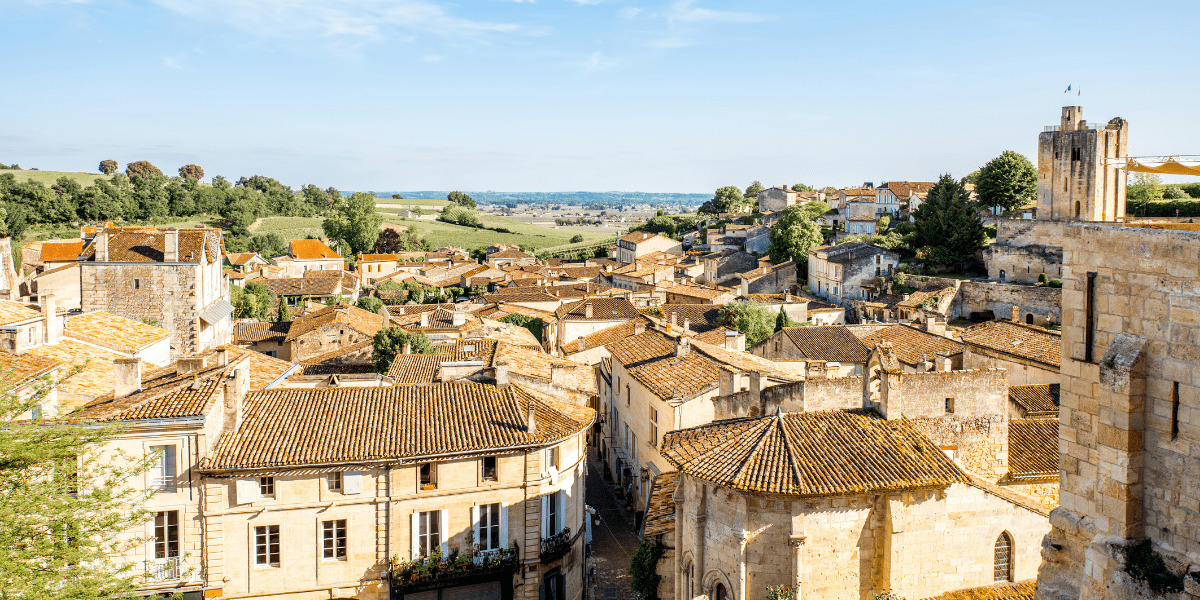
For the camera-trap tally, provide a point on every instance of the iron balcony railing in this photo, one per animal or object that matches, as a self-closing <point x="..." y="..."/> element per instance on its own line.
<point x="161" y="569"/>
<point x="556" y="546"/>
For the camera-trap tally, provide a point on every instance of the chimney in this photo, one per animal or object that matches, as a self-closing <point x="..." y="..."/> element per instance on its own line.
<point x="674" y="320"/>
<point x="385" y="317"/>
<point x="787" y="296"/>
<point x="171" y="245"/>
<point x="682" y="346"/>
<point x="530" y="420"/>
<point x="687" y="326"/>
<point x="101" y="247"/>
<point x="926" y="365"/>
<point x="725" y="382"/>
<point x="943" y="362"/>
<point x="587" y="310"/>
<point x="50" y="312"/>
<point x="459" y="317"/>
<point x="639" y="328"/>
<point x="222" y="357"/>
<point x="127" y="377"/>
<point x="731" y="340"/>
<point x="1016" y="314"/>
<point x="580" y="344"/>
<point x="194" y="364"/>
<point x="816" y="369"/>
<point x="425" y="319"/>
<point x="558" y="373"/>
<point x="407" y="347"/>
<point x="755" y="388"/>
<point x="502" y="374"/>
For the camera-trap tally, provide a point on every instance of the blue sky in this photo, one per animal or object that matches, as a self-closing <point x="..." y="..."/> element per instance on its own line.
<point x="555" y="95"/>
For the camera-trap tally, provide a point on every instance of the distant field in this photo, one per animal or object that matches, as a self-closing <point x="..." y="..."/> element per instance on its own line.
<point x="412" y="201"/>
<point x="444" y="234"/>
<point x="292" y="228"/>
<point x="49" y="177"/>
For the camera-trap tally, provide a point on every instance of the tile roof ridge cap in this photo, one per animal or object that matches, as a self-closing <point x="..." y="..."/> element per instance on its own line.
<point x="792" y="451"/>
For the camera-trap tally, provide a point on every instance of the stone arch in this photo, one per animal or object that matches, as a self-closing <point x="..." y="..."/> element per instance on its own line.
<point x="1029" y="318"/>
<point x="714" y="581"/>
<point x="687" y="577"/>
<point x="1002" y="557"/>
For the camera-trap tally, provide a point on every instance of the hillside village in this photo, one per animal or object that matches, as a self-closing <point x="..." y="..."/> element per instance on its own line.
<point x="830" y="420"/>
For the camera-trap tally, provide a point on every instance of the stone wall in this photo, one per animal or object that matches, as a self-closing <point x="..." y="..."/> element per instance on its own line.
<point x="325" y="338"/>
<point x="840" y="393"/>
<point x="1020" y="371"/>
<point x="1043" y="303"/>
<point x="163" y="295"/>
<point x="1024" y="249"/>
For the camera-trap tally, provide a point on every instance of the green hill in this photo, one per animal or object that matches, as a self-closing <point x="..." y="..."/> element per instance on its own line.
<point x="49" y="177"/>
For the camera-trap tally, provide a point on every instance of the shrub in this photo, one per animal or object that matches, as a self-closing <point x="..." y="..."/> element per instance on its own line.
<point x="642" y="570"/>
<point x="575" y="239"/>
<point x="1042" y="279"/>
<point x="1144" y="564"/>
<point x="1055" y="283"/>
<point x="389" y="342"/>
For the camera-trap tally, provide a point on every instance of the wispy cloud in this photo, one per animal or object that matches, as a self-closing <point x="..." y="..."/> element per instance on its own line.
<point x="598" y="62"/>
<point x="628" y="13"/>
<point x="171" y="63"/>
<point x="684" y="11"/>
<point x="585" y="2"/>
<point x="295" y="19"/>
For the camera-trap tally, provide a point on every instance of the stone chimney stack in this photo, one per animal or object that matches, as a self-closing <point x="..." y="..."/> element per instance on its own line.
<point x="639" y="328"/>
<point x="731" y="340"/>
<point x="425" y="319"/>
<point x="127" y="377"/>
<point x="943" y="363"/>
<point x="687" y="326"/>
<point x="502" y="374"/>
<point x="407" y="347"/>
<point x="725" y="382"/>
<point x="755" y="388"/>
<point x="222" y="357"/>
<point x="580" y="344"/>
<point x="459" y="317"/>
<point x="587" y="310"/>
<point x="194" y="364"/>
<point x="171" y="245"/>
<point x="53" y="327"/>
<point x="531" y="418"/>
<point x="385" y="317"/>
<point x="682" y="346"/>
<point x="1016" y="314"/>
<point x="101" y="246"/>
<point x="674" y="320"/>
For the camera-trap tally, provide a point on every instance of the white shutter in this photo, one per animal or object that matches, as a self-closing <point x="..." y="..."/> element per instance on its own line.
<point x="168" y="468"/>
<point x="352" y="482"/>
<point x="444" y="533"/>
<point x="475" y="526"/>
<point x="562" y="509"/>
<point x="246" y="491"/>
<point x="156" y="468"/>
<point x="503" y="526"/>
<point x="545" y="515"/>
<point x="416" y="536"/>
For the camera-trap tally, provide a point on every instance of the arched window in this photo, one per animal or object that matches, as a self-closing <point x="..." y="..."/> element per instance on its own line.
<point x="1003" y="557"/>
<point x="1001" y="274"/>
<point x="1029" y="319"/>
<point x="719" y="592"/>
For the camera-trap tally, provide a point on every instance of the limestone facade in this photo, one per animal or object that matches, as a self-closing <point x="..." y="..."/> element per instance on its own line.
<point x="1035" y="305"/>
<point x="1075" y="181"/>
<point x="843" y="271"/>
<point x="1025" y="249"/>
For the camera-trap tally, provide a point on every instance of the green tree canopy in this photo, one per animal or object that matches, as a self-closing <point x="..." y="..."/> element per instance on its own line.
<point x="577" y="238"/>
<point x="750" y="318"/>
<point x="193" y="172"/>
<point x="108" y="166"/>
<point x="643" y="570"/>
<point x="389" y="342"/>
<point x="370" y="303"/>
<point x="460" y="215"/>
<point x="355" y="222"/>
<point x="1008" y="181"/>
<point x="947" y="227"/>
<point x="783" y="320"/>
<point x="728" y="199"/>
<point x="282" y="313"/>
<point x="753" y="189"/>
<point x="793" y="236"/>
<point x="143" y="168"/>
<point x="253" y="302"/>
<point x="461" y="199"/>
<point x="533" y="324"/>
<point x="800" y="187"/>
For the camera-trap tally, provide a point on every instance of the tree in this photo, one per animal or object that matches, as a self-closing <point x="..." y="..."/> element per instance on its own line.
<point x="1143" y="189"/>
<point x="459" y="215"/>
<point x="947" y="228"/>
<point x="370" y="303"/>
<point x="108" y="166"/>
<point x="389" y="342"/>
<point x="800" y="187"/>
<point x="577" y="238"/>
<point x="750" y="318"/>
<point x="268" y="245"/>
<point x="143" y="168"/>
<point x="783" y="320"/>
<point x="533" y="324"/>
<point x="193" y="172"/>
<point x="1008" y="181"/>
<point x="753" y="189"/>
<point x="728" y="199"/>
<point x="397" y="197"/>
<point x="643" y="570"/>
<point x="282" y="314"/>
<point x="461" y="199"/>
<point x="354" y="221"/>
<point x="793" y="236"/>
<point x="64" y="503"/>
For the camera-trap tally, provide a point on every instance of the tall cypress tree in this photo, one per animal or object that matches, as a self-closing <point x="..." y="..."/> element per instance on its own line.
<point x="948" y="229"/>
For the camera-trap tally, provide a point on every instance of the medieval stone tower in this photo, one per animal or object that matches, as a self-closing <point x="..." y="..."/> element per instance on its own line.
<point x="1074" y="180"/>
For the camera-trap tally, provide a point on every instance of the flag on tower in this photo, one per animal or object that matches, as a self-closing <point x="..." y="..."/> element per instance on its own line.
<point x="1067" y="90"/>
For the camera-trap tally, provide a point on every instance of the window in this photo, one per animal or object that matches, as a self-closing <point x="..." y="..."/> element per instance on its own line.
<point x="333" y="535"/>
<point x="949" y="405"/>
<point x="489" y="468"/>
<point x="653" y="426"/>
<point x="266" y="487"/>
<point x="553" y="588"/>
<point x="719" y="593"/>
<point x="489" y="527"/>
<point x="628" y="395"/>
<point x="1089" y="329"/>
<point x="553" y="518"/>
<point x="162" y="469"/>
<point x="1003" y="557"/>
<point x="166" y="534"/>
<point x="333" y="481"/>
<point x="428" y="476"/>
<point x="1076" y="154"/>
<point x="137" y="284"/>
<point x="266" y="546"/>
<point x="428" y="532"/>
<point x="552" y="457"/>
<point x="1175" y="411"/>
<point x="1029" y="319"/>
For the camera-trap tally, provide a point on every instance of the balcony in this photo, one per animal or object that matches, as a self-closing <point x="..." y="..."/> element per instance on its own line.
<point x="162" y="569"/>
<point x="556" y="546"/>
<point x="456" y="569"/>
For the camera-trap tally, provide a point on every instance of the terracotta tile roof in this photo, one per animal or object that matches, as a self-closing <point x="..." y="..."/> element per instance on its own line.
<point x="715" y="337"/>
<point x="537" y="364"/>
<point x="1007" y="493"/>
<point x="603" y="309"/>
<point x="351" y="316"/>
<point x="737" y="359"/>
<point x="144" y="244"/>
<point x="606" y="336"/>
<point x="638" y="349"/>
<point x="1018" y="339"/>
<point x="518" y="295"/>
<point x="311" y="250"/>
<point x="911" y="345"/>
<point x="904" y="189"/>
<point x="580" y="272"/>
<point x="1024" y="590"/>
<point x="503" y="332"/>
<point x="509" y="253"/>
<point x="701" y="317"/>
<point x="650" y="359"/>
<point x="831" y="343"/>
<point x="61" y="251"/>
<point x="263" y="369"/>
<point x="16" y="312"/>
<point x="301" y="286"/>
<point x="111" y="331"/>
<point x="696" y="291"/>
<point x="232" y="274"/>
<point x="438" y="319"/>
<point x="96" y="374"/>
<point x="930" y="291"/>
<point x="338" y="352"/>
<point x="660" y="513"/>
<point x="1036" y="400"/>
<point x="770" y="298"/>
<point x="411" y="369"/>
<point x="638" y="236"/>
<point x="812" y="454"/>
<point x="240" y="258"/>
<point x="1033" y="448"/>
<point x="165" y="394"/>
<point x="848" y="252"/>
<point x="17" y="370"/>
<point x="378" y="258"/>
<point x="260" y="332"/>
<point x="302" y="427"/>
<point x="499" y="311"/>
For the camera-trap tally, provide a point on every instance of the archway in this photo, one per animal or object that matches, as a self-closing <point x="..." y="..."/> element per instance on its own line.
<point x="1029" y="319"/>
<point x="1076" y="209"/>
<point x="1002" y="557"/>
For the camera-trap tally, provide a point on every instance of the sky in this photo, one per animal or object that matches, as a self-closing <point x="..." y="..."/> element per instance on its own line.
<point x="582" y="95"/>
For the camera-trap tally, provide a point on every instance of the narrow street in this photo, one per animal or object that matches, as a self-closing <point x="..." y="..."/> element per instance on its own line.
<point x="613" y="541"/>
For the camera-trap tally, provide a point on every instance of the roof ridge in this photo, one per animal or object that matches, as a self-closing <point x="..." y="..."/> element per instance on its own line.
<point x="790" y="449"/>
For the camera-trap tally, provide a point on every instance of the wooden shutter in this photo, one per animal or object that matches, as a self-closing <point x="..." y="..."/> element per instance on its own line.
<point x="444" y="531"/>
<point x="156" y="467"/>
<point x="352" y="482"/>
<point x="416" y="536"/>
<point x="246" y="491"/>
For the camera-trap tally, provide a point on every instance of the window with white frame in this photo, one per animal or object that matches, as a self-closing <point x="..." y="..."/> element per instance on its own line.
<point x="166" y="534"/>
<point x="162" y="468"/>
<point x="488" y="527"/>
<point x="266" y="487"/>
<point x="429" y="532"/>
<point x="334" y="481"/>
<point x="266" y="546"/>
<point x="333" y="539"/>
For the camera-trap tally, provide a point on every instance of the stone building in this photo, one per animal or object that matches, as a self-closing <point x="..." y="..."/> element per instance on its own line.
<point x="578" y="319"/>
<point x="768" y="279"/>
<point x="308" y="255"/>
<point x="722" y="268"/>
<point x="331" y="328"/>
<point x="840" y="504"/>
<point x="1031" y="354"/>
<point x="1025" y="249"/>
<point x="509" y="257"/>
<point x="374" y="266"/>
<point x="775" y="199"/>
<point x="840" y="350"/>
<point x="1076" y="180"/>
<point x="1128" y="433"/>
<point x="637" y="244"/>
<point x="171" y="278"/>
<point x="845" y="271"/>
<point x="918" y="350"/>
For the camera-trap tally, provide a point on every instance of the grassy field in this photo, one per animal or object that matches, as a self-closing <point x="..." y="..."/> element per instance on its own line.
<point x="413" y="201"/>
<point x="444" y="234"/>
<point x="292" y="228"/>
<point x="49" y="177"/>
